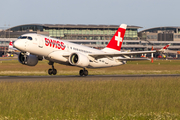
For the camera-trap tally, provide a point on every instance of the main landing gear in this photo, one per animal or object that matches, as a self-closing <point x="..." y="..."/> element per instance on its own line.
<point x="52" y="71"/>
<point x="83" y="72"/>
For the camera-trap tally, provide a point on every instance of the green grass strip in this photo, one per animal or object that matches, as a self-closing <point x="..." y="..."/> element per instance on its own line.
<point x="146" y="98"/>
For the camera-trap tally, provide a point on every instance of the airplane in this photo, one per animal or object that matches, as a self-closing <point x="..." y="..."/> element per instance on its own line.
<point x="35" y="47"/>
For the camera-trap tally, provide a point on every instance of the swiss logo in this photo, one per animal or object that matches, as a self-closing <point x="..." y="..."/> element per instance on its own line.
<point x="55" y="44"/>
<point x="118" y="38"/>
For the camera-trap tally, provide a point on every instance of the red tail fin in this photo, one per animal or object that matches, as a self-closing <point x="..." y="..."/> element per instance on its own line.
<point x="117" y="39"/>
<point x="10" y="43"/>
<point x="11" y="46"/>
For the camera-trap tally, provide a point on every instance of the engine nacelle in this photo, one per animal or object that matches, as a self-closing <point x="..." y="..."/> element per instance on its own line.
<point x="30" y="60"/>
<point x="78" y="59"/>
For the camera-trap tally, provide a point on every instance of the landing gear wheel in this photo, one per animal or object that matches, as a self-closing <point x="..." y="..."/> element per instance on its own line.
<point x="54" y="72"/>
<point x="83" y="72"/>
<point x="50" y="71"/>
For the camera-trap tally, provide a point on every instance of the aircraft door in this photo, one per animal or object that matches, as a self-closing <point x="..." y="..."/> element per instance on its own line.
<point x="26" y="44"/>
<point x="40" y="42"/>
<point x="67" y="47"/>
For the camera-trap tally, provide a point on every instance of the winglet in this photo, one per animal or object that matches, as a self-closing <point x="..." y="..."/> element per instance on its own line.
<point x="164" y="48"/>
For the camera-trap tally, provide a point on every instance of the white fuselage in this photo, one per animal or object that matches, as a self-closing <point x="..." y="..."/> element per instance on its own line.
<point x="49" y="47"/>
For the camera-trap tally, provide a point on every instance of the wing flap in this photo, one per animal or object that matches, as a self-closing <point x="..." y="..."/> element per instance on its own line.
<point x="102" y="55"/>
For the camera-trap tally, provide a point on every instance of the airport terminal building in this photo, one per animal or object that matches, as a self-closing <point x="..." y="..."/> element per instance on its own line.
<point x="71" y="32"/>
<point x="98" y="36"/>
<point x="159" y="36"/>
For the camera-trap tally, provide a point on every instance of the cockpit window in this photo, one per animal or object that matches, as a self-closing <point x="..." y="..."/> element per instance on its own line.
<point x="25" y="37"/>
<point x="19" y="37"/>
<point x="29" y="38"/>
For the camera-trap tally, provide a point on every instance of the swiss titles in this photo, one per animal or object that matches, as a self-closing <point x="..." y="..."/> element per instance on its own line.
<point x="55" y="44"/>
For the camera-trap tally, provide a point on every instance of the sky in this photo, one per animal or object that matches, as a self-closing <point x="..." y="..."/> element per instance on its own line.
<point x="143" y="13"/>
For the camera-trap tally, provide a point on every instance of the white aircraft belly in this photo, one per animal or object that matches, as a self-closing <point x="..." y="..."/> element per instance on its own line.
<point x="107" y="63"/>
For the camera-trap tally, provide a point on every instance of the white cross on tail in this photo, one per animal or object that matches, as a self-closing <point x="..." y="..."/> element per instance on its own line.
<point x="118" y="38"/>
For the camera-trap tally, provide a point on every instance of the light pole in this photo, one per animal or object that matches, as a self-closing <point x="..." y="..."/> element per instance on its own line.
<point x="4" y="39"/>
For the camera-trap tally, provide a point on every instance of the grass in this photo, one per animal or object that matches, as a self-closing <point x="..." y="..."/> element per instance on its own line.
<point x="141" y="99"/>
<point x="13" y="67"/>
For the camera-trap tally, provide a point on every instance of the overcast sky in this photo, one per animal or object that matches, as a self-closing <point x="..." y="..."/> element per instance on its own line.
<point x="144" y="13"/>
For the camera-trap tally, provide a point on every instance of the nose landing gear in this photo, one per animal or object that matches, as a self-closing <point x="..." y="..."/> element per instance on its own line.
<point x="52" y="71"/>
<point x="83" y="72"/>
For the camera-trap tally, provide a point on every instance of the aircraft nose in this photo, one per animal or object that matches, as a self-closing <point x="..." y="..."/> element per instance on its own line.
<point x="19" y="44"/>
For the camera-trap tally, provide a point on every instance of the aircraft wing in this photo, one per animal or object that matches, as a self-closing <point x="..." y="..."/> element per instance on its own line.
<point x="132" y="59"/>
<point x="102" y="55"/>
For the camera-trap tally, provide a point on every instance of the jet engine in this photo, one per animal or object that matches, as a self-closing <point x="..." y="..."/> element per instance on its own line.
<point x="78" y="59"/>
<point x="27" y="59"/>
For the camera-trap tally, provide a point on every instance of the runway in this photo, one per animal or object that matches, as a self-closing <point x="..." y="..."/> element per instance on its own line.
<point x="90" y="77"/>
